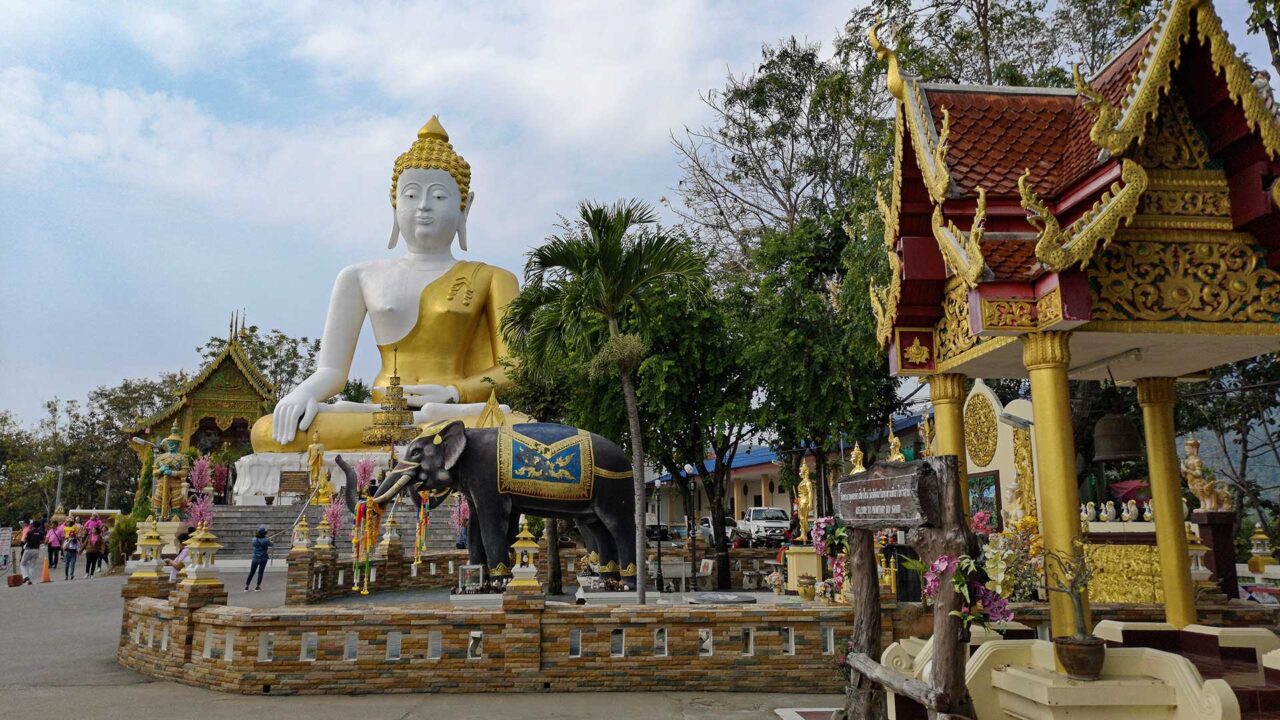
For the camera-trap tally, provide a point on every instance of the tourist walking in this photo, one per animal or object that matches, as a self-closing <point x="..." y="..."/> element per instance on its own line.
<point x="261" y="544"/>
<point x="93" y="547"/>
<point x="31" y="550"/>
<point x="180" y="561"/>
<point x="53" y="544"/>
<point x="73" y="536"/>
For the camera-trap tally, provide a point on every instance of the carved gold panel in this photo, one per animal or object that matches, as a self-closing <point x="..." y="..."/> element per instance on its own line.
<point x="980" y="432"/>
<point x="1124" y="574"/>
<point x="1206" y="281"/>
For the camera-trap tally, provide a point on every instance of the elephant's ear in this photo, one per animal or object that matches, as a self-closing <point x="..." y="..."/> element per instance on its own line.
<point x="453" y="439"/>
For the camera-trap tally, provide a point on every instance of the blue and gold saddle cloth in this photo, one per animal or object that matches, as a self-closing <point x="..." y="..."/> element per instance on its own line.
<point x="545" y="460"/>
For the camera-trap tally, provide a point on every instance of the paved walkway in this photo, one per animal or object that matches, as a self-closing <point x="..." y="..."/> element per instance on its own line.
<point x="57" y="655"/>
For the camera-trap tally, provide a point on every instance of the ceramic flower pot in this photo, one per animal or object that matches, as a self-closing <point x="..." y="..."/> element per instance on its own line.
<point x="1081" y="658"/>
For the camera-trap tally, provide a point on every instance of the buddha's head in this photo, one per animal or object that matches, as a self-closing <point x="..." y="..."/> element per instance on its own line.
<point x="430" y="193"/>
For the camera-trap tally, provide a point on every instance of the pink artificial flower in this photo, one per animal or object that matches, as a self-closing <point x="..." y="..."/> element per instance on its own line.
<point x="941" y="568"/>
<point x="200" y="477"/>
<point x="364" y="474"/>
<point x="981" y="523"/>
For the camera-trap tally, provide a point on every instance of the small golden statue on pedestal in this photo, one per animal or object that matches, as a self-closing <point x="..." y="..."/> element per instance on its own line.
<point x="1212" y="495"/>
<point x="804" y="502"/>
<point x="855" y="460"/>
<point x="895" y="447"/>
<point x="926" y="437"/>
<point x="316" y="472"/>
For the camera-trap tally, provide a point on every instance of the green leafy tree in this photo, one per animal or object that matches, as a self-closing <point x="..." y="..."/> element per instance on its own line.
<point x="283" y="359"/>
<point x="356" y="390"/>
<point x="1264" y="15"/>
<point x="1092" y="32"/>
<point x="786" y="142"/>
<point x="695" y="390"/>
<point x="581" y="287"/>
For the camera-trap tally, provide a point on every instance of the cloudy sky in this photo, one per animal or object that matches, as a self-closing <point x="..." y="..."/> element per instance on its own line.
<point x="164" y="164"/>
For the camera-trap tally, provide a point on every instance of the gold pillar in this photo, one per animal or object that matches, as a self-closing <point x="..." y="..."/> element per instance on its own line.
<point x="1156" y="397"/>
<point x="946" y="391"/>
<point x="1047" y="356"/>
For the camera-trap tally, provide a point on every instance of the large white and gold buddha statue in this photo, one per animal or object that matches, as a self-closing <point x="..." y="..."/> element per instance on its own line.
<point x="434" y="316"/>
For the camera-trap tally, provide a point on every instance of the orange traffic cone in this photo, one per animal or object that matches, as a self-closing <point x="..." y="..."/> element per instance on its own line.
<point x="44" y="574"/>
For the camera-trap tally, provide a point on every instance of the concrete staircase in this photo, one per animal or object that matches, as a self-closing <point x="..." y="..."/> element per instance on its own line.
<point x="235" y="526"/>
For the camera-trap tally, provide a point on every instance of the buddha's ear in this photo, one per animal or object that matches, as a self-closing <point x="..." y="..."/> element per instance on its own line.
<point x="395" y="230"/>
<point x="462" y="224"/>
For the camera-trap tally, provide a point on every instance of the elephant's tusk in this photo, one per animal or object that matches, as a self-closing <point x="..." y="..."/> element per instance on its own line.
<point x="383" y="497"/>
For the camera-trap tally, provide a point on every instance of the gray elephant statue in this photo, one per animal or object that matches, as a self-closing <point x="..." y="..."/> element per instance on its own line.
<point x="540" y="469"/>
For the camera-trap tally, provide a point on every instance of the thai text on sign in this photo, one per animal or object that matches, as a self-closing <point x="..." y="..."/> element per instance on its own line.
<point x="900" y="495"/>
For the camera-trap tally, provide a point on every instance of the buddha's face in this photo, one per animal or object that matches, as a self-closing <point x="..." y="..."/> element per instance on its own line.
<point x="428" y="209"/>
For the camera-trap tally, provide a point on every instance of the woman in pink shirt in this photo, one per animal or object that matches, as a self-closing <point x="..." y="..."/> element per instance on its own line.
<point x="53" y="541"/>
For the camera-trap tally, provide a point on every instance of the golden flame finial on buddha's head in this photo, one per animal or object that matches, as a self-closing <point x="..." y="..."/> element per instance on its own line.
<point x="432" y="151"/>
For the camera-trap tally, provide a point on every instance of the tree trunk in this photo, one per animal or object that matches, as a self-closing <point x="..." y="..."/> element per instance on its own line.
<point x="637" y="473"/>
<point x="555" y="578"/>
<point x="720" y="542"/>
<point x="864" y="698"/>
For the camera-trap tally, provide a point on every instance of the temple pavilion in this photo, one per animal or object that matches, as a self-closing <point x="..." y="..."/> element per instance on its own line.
<point x="1127" y="228"/>
<point x="216" y="407"/>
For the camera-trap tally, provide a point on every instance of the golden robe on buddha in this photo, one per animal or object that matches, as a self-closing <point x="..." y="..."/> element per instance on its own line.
<point x="455" y="342"/>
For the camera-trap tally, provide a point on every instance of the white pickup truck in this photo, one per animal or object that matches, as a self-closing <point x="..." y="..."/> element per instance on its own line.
<point x="764" y="523"/>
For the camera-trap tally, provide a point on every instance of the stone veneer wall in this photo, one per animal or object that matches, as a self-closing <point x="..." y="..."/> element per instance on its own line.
<point x="525" y="646"/>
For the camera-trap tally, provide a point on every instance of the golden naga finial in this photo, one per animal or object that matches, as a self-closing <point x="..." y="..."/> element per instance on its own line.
<point x="1103" y="133"/>
<point x="893" y="79"/>
<point x="432" y="151"/>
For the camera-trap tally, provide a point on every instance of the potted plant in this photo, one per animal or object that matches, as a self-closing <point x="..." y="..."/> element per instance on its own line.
<point x="1081" y="654"/>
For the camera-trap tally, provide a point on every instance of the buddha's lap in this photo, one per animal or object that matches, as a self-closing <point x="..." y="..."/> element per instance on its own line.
<point x="343" y="430"/>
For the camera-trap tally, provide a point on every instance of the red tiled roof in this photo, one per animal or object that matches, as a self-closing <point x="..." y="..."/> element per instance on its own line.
<point x="996" y="134"/>
<point x="1012" y="258"/>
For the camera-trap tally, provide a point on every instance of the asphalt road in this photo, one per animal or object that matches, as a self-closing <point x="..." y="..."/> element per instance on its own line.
<point x="57" y="657"/>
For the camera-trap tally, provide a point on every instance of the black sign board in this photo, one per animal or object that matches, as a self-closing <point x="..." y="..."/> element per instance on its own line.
<point x="891" y="495"/>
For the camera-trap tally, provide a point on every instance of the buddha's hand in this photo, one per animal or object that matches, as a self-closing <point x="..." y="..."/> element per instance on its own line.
<point x="294" y="412"/>
<point x="418" y="395"/>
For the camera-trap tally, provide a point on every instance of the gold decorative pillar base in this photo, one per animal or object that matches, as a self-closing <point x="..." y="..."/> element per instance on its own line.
<point x="1047" y="356"/>
<point x="802" y="560"/>
<point x="946" y="392"/>
<point x="1156" y="396"/>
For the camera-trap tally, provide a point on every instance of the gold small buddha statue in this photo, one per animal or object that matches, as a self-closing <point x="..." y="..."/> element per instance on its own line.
<point x="440" y="313"/>
<point x="804" y="502"/>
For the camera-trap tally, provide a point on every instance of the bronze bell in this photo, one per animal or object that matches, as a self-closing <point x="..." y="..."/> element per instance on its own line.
<point x="1115" y="437"/>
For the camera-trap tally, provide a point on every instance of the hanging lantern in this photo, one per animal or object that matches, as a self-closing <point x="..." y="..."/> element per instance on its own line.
<point x="1115" y="438"/>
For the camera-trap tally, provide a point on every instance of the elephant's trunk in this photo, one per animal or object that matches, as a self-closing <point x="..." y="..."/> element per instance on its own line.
<point x="405" y="476"/>
<point x="350" y="493"/>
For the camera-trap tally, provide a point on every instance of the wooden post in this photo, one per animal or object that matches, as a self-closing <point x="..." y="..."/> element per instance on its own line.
<point x="864" y="696"/>
<point x="954" y="539"/>
<point x="925" y="496"/>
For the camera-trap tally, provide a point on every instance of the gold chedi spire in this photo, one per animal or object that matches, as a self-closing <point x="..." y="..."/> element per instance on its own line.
<point x="394" y="422"/>
<point x="432" y="151"/>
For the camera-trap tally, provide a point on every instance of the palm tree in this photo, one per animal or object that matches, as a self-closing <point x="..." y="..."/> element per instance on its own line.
<point x="580" y="287"/>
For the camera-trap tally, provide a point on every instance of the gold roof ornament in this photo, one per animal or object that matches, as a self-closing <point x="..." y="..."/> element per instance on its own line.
<point x="893" y="79"/>
<point x="432" y="151"/>
<point x="492" y="415"/>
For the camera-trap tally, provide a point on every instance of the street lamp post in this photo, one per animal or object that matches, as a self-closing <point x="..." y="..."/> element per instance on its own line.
<point x="106" y="495"/>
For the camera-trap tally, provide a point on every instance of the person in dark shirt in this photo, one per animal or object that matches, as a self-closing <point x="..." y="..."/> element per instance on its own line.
<point x="261" y="543"/>
<point x="31" y="550"/>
